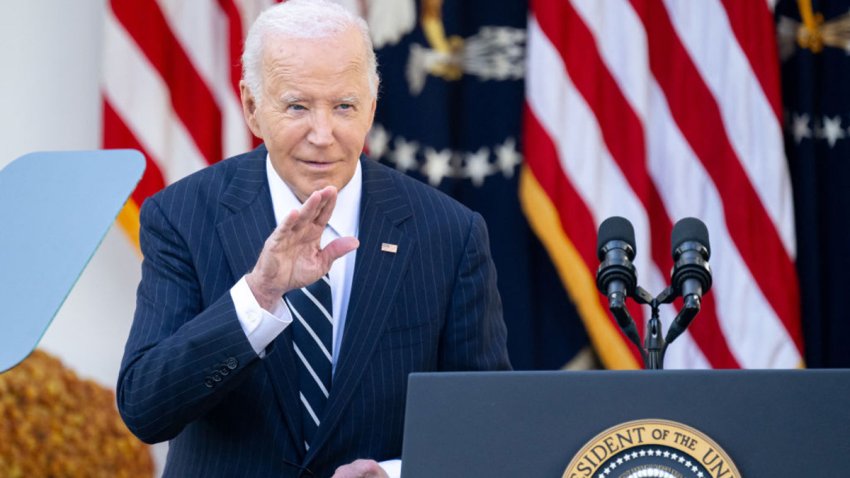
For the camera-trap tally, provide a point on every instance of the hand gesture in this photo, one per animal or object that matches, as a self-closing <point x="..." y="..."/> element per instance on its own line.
<point x="292" y="256"/>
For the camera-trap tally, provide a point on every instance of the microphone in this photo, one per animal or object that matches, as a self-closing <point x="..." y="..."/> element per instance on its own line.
<point x="615" y="248"/>
<point x="691" y="272"/>
<point x="616" y="276"/>
<point x="691" y="251"/>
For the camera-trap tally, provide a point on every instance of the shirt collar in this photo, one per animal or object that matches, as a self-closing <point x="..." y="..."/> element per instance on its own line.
<point x="345" y="218"/>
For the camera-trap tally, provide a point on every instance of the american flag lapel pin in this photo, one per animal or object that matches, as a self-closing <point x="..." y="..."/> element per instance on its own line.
<point x="387" y="247"/>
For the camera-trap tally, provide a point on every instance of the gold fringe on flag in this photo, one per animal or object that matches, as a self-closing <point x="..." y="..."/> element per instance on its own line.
<point x="574" y="273"/>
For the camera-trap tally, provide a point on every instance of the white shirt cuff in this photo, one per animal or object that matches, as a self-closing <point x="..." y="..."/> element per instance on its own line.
<point x="391" y="468"/>
<point x="260" y="326"/>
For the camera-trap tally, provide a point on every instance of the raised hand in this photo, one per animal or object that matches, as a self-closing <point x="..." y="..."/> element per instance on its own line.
<point x="292" y="256"/>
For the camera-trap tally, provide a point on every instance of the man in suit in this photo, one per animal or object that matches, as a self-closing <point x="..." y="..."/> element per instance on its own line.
<point x="224" y="358"/>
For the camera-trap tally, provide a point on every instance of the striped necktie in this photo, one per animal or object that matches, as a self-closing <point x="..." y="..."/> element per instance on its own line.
<point x="312" y="334"/>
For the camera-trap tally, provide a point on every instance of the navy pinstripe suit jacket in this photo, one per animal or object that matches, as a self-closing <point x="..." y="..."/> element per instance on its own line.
<point x="190" y="376"/>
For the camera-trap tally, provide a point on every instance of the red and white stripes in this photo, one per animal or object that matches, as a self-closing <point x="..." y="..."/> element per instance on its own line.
<point x="170" y="86"/>
<point x="656" y="110"/>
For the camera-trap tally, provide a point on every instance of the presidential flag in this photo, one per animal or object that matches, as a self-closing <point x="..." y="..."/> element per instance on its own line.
<point x="658" y="110"/>
<point x="814" y="45"/>
<point x="449" y="113"/>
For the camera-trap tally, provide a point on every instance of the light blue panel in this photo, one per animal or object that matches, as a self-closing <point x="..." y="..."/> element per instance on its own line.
<point x="55" y="209"/>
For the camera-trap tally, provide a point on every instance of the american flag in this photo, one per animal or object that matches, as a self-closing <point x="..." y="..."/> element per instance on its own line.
<point x="657" y="110"/>
<point x="171" y="71"/>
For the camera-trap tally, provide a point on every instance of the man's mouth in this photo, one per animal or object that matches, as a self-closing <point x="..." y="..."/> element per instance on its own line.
<point x="318" y="164"/>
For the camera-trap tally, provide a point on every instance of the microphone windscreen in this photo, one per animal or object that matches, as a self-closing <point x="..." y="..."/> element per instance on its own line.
<point x="690" y="229"/>
<point x="615" y="228"/>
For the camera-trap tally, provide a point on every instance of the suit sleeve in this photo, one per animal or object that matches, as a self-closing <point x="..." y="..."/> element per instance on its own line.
<point x="475" y="336"/>
<point x="181" y="358"/>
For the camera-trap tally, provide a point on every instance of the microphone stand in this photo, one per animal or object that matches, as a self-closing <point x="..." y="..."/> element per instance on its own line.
<point x="655" y="345"/>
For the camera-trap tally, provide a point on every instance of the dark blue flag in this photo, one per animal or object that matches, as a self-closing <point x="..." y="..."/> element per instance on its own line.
<point x="449" y="113"/>
<point x="814" y="40"/>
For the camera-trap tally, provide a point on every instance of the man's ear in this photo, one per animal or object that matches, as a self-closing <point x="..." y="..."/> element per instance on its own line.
<point x="249" y="109"/>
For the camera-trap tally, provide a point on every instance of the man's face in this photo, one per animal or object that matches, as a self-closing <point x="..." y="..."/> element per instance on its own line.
<point x="316" y="109"/>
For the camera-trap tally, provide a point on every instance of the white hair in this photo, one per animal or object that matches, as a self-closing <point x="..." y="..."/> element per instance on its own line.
<point x="302" y="19"/>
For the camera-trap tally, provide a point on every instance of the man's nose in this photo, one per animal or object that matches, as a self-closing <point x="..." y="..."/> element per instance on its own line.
<point x="321" y="129"/>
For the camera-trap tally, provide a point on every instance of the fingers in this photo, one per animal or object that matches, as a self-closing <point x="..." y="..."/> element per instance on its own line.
<point x="316" y="211"/>
<point x="338" y="248"/>
<point x="289" y="221"/>
<point x="318" y="208"/>
<point x="292" y="256"/>
<point x="329" y="194"/>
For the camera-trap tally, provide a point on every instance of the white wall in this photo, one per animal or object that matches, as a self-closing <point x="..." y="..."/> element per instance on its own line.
<point x="49" y="100"/>
<point x="49" y="87"/>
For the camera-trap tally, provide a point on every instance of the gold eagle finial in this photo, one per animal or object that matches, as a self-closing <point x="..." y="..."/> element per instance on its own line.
<point x="814" y="33"/>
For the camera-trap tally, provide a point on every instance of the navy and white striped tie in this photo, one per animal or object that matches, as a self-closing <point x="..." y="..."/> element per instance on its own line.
<point x="312" y="334"/>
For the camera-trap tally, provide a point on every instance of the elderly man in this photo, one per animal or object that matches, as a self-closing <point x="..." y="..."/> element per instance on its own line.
<point x="287" y="293"/>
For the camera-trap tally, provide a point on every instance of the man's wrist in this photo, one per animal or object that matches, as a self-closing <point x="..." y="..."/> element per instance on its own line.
<point x="265" y="297"/>
<point x="261" y="326"/>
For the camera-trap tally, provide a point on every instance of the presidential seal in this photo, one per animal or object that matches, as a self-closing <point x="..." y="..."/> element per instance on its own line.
<point x="651" y="449"/>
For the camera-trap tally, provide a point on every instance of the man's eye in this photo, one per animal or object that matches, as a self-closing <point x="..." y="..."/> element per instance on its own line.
<point x="296" y="108"/>
<point x="346" y="106"/>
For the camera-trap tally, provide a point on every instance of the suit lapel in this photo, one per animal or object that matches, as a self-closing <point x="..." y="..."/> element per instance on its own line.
<point x="242" y="236"/>
<point x="377" y="275"/>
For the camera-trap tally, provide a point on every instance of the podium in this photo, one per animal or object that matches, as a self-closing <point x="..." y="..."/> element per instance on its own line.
<point x="787" y="423"/>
